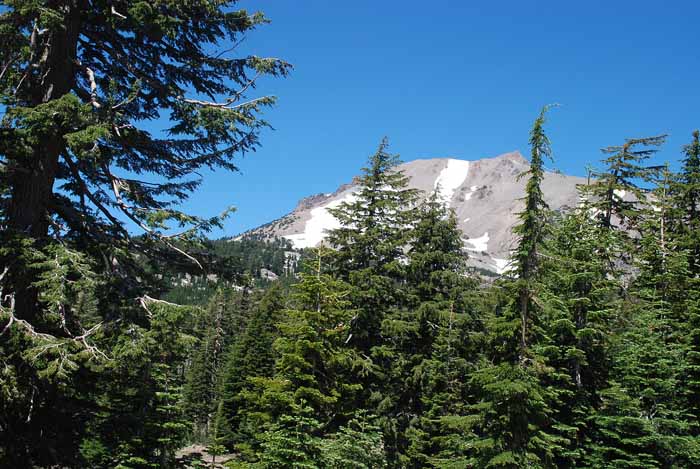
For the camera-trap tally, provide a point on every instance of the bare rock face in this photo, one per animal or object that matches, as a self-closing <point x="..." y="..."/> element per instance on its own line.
<point x="484" y="194"/>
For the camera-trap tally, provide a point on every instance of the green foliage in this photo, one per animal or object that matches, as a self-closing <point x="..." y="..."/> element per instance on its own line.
<point x="625" y="169"/>
<point x="139" y="417"/>
<point x="93" y="365"/>
<point x="251" y="356"/>
<point x="294" y="443"/>
<point x="358" y="445"/>
<point x="369" y="244"/>
<point x="513" y="423"/>
<point x="384" y="353"/>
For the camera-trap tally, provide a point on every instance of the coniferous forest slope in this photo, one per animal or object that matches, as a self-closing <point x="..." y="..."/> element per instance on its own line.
<point x="382" y="348"/>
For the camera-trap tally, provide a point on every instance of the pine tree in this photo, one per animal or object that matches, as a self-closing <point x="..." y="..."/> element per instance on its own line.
<point x="291" y="444"/>
<point x="625" y="168"/>
<point x="138" y="420"/>
<point x="443" y="433"/>
<point x="370" y="242"/>
<point x="357" y="445"/>
<point x="436" y="285"/>
<point x="80" y="166"/>
<point x="686" y="193"/>
<point x="249" y="357"/>
<point x="295" y="443"/>
<point x="201" y="393"/>
<point x="314" y="366"/>
<point x="581" y="297"/>
<point x="513" y="413"/>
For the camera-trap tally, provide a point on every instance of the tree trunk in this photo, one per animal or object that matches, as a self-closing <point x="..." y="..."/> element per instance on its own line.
<point x="51" y="74"/>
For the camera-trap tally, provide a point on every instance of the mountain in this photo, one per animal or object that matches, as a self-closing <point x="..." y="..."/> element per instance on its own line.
<point x="485" y="195"/>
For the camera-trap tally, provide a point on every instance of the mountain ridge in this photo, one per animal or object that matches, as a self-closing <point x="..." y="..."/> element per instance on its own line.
<point x="484" y="194"/>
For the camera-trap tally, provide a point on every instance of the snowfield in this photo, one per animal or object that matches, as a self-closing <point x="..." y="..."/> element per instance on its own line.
<point x="451" y="178"/>
<point x="321" y="221"/>
<point x="480" y="244"/>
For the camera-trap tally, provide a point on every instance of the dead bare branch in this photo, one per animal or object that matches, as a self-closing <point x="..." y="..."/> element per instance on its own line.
<point x="117" y="14"/>
<point x="52" y="342"/>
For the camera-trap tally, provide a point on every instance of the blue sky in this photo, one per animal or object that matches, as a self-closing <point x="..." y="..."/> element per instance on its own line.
<point x="457" y="78"/>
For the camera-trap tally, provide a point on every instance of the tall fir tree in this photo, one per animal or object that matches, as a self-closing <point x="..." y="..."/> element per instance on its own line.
<point x="79" y="167"/>
<point x="686" y="194"/>
<point x="370" y="242"/>
<point x="249" y="357"/>
<point x="312" y="396"/>
<point x="313" y="374"/>
<point x="217" y="329"/>
<point x="137" y="417"/>
<point x="437" y="286"/>
<point x="615" y="192"/>
<point x="581" y="295"/>
<point x="513" y="414"/>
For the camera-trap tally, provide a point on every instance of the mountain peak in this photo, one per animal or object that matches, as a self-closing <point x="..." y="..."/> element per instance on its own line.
<point x="485" y="195"/>
<point x="513" y="156"/>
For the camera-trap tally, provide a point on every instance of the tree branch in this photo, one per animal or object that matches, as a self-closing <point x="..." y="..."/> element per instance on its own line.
<point x="126" y="209"/>
<point x="93" y="85"/>
<point x="76" y="173"/>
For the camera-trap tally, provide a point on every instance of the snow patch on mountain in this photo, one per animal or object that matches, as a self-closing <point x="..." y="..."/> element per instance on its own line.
<point x="469" y="194"/>
<point x="320" y="222"/>
<point x="502" y="265"/>
<point x="479" y="244"/>
<point x="450" y="178"/>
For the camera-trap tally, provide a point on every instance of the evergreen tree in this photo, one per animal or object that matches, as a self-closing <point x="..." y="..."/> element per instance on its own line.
<point x="648" y="427"/>
<point x="370" y="242"/>
<point x="687" y="199"/>
<point x="249" y="357"/>
<point x="295" y="443"/>
<point x="357" y="445"/>
<point x="686" y="193"/>
<point x="313" y="367"/>
<point x="581" y="297"/>
<point x="443" y="433"/>
<point x="436" y="285"/>
<point x="138" y="419"/>
<point x="216" y="331"/>
<point x="79" y="83"/>
<point x="514" y="408"/>
<point x="370" y="254"/>
<point x="625" y="169"/>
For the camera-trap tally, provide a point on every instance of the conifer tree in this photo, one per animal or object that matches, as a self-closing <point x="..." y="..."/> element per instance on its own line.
<point x="581" y="297"/>
<point x="642" y="421"/>
<point x="513" y="412"/>
<point x="310" y="401"/>
<point x="531" y="232"/>
<point x="436" y="285"/>
<point x="687" y="200"/>
<point x="81" y="165"/>
<point x="249" y="357"/>
<point x="370" y="242"/>
<point x="314" y="367"/>
<point x="201" y="392"/>
<point x="625" y="168"/>
<point x="687" y="195"/>
<point x="138" y="419"/>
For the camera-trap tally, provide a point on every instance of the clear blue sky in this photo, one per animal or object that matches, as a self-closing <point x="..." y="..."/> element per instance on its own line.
<point x="462" y="79"/>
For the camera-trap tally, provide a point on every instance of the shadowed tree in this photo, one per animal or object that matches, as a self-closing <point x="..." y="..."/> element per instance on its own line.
<point x="86" y="155"/>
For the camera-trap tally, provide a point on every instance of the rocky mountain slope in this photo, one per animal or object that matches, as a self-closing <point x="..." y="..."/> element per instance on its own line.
<point x="485" y="195"/>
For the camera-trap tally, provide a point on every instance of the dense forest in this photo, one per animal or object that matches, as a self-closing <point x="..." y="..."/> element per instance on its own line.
<point x="129" y="340"/>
